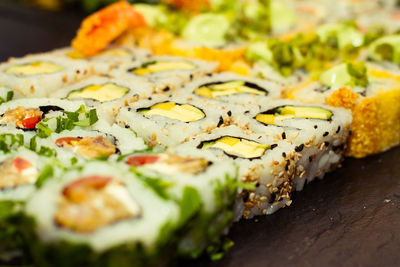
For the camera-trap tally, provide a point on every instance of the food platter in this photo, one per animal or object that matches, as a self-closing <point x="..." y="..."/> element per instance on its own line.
<point x="351" y="217"/>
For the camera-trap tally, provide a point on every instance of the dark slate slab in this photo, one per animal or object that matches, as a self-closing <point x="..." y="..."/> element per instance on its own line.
<point x="350" y="218"/>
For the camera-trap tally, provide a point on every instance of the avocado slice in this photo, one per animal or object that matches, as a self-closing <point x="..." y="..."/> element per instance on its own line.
<point x="172" y="110"/>
<point x="152" y="67"/>
<point x="289" y="112"/>
<point x="102" y="93"/>
<point x="237" y="147"/>
<point x="215" y="90"/>
<point x="34" y="68"/>
<point x="386" y="48"/>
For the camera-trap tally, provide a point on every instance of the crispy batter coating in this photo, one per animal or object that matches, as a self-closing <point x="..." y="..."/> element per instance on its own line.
<point x="376" y="121"/>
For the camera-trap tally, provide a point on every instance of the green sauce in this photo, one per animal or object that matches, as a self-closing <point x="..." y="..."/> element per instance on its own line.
<point x="207" y="29"/>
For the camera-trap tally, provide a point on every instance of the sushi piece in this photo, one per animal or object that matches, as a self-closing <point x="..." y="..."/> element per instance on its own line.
<point x="232" y="88"/>
<point x="266" y="163"/>
<point x="209" y="181"/>
<point x="39" y="75"/>
<point x="166" y="72"/>
<point x="106" y="61"/>
<point x="42" y="116"/>
<point x="106" y="94"/>
<point x="319" y="133"/>
<point x="22" y="171"/>
<point x="164" y="121"/>
<point x="371" y="91"/>
<point x="100" y="213"/>
<point x="85" y="143"/>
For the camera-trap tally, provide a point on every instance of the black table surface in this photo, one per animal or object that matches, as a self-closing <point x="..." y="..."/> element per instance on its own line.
<point x="350" y="218"/>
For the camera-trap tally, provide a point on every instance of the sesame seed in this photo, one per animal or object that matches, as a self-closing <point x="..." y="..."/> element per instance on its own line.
<point x="284" y="154"/>
<point x="315" y="126"/>
<point x="299" y="148"/>
<point x="325" y="134"/>
<point x="273" y="146"/>
<point x="338" y="129"/>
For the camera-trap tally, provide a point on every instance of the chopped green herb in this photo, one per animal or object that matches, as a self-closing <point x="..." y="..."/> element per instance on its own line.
<point x="47" y="172"/>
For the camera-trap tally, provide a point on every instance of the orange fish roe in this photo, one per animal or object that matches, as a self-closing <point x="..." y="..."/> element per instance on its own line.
<point x="101" y="28"/>
<point x="376" y="121"/>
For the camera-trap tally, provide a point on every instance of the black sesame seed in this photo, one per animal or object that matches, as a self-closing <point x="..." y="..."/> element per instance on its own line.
<point x="257" y="184"/>
<point x="229" y="113"/>
<point x="326" y="143"/>
<point x="283" y="135"/>
<point x="220" y="122"/>
<point x="246" y="197"/>
<point x="315" y="126"/>
<point x="299" y="148"/>
<point x="150" y="98"/>
<point x="273" y="146"/>
<point x="129" y="109"/>
<point x="287" y="166"/>
<point x="338" y="129"/>
<point x="272" y="199"/>
<point x="191" y="76"/>
<point x="325" y="134"/>
<point x="284" y="154"/>
<point x="309" y="159"/>
<point x="209" y="74"/>
<point x="247" y="112"/>
<point x="166" y="89"/>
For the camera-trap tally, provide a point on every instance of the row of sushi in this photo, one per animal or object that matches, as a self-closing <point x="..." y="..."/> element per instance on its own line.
<point x="140" y="163"/>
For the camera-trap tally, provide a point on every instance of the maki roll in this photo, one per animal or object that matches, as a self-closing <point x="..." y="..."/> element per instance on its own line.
<point x="38" y="75"/>
<point x="26" y="116"/>
<point x="21" y="170"/>
<point x="268" y="164"/>
<point x="98" y="141"/>
<point x="233" y="89"/>
<point x="166" y="72"/>
<point x="197" y="177"/>
<point x="165" y="122"/>
<point x="371" y="91"/>
<point x="99" y="214"/>
<point x="106" y="94"/>
<point x="319" y="133"/>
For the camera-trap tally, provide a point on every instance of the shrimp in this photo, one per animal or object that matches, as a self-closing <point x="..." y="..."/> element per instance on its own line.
<point x="101" y="28"/>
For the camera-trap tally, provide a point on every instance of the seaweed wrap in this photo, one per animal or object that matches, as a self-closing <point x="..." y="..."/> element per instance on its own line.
<point x="99" y="215"/>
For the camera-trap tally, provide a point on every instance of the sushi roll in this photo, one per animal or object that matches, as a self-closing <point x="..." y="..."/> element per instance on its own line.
<point x="106" y="94"/>
<point x="22" y="171"/>
<point x="164" y="121"/>
<point x="269" y="165"/>
<point x="371" y="91"/>
<point x="99" y="214"/>
<point x="44" y="115"/>
<point x="232" y="88"/>
<point x="209" y="181"/>
<point x="319" y="133"/>
<point x="85" y="143"/>
<point x="39" y="75"/>
<point x="166" y="72"/>
<point x="104" y="62"/>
